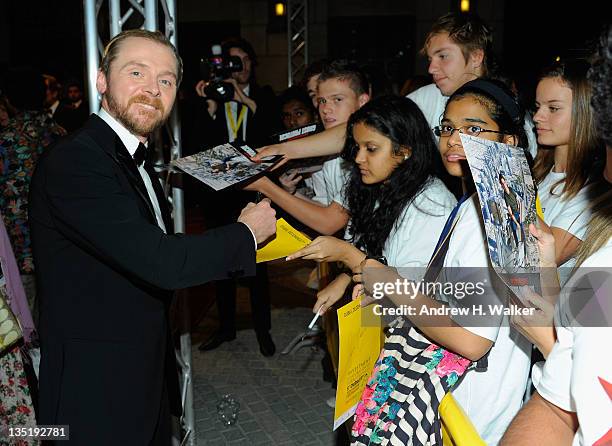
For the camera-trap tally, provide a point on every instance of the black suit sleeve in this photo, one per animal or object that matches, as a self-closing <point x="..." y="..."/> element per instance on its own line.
<point x="89" y="206"/>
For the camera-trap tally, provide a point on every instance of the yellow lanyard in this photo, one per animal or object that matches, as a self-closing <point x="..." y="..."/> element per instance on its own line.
<point x="232" y="122"/>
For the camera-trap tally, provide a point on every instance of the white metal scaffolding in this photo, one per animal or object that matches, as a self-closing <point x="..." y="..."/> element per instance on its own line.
<point x="119" y="12"/>
<point x="297" y="39"/>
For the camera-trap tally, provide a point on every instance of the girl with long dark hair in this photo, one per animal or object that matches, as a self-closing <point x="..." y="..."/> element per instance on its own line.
<point x="394" y="192"/>
<point x="484" y="363"/>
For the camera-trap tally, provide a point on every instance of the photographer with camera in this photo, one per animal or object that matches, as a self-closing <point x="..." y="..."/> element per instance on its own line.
<point x="220" y="86"/>
<point x="233" y="107"/>
<point x="236" y="106"/>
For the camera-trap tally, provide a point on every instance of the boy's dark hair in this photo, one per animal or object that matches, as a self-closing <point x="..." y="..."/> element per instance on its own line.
<point x="346" y="71"/>
<point x="243" y="44"/>
<point x="295" y="93"/>
<point x="313" y="69"/>
<point x="73" y="82"/>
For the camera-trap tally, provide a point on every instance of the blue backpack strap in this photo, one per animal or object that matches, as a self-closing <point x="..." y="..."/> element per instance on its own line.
<point x="437" y="261"/>
<point x="439" y="253"/>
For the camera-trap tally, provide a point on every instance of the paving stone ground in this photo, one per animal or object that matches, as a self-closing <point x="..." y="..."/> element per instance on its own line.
<point x="282" y="398"/>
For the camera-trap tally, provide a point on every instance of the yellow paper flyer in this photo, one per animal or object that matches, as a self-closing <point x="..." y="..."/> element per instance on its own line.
<point x="360" y="345"/>
<point x="287" y="241"/>
<point x="539" y="210"/>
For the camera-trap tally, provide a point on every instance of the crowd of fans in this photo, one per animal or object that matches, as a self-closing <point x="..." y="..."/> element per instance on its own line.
<point x="387" y="184"/>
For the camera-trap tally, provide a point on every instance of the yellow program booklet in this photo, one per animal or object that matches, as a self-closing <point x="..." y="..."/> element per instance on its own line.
<point x="360" y="345"/>
<point x="288" y="240"/>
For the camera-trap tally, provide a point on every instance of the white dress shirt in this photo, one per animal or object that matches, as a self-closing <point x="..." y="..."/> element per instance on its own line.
<point x="131" y="142"/>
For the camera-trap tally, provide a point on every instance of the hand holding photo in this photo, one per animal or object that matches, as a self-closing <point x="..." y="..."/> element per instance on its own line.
<point x="224" y="165"/>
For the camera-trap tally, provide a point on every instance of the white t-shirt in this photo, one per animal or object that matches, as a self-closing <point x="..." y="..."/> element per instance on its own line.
<point x="415" y="234"/>
<point x="432" y="102"/>
<point x="571" y="215"/>
<point x="492" y="398"/>
<point x="577" y="376"/>
<point x="329" y="182"/>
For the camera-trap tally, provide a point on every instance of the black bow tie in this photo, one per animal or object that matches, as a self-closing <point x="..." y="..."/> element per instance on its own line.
<point x="140" y="155"/>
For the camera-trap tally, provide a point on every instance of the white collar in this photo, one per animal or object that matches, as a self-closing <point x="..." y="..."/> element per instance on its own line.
<point x="53" y="107"/>
<point x="129" y="140"/>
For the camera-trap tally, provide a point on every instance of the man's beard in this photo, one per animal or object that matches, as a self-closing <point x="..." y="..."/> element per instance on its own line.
<point x="135" y="126"/>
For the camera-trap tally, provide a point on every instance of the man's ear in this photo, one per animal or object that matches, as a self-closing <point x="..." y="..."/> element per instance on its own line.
<point x="101" y="84"/>
<point x="363" y="99"/>
<point x="510" y="140"/>
<point x="477" y="59"/>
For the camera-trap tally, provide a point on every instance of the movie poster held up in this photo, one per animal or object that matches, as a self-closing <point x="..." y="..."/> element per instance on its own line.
<point x="507" y="196"/>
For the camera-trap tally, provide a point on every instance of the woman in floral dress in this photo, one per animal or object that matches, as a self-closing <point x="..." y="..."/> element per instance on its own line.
<point x="24" y="139"/>
<point x="16" y="408"/>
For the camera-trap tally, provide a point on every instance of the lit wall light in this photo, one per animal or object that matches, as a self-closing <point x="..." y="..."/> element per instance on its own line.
<point x="558" y="59"/>
<point x="279" y="9"/>
<point x="465" y="6"/>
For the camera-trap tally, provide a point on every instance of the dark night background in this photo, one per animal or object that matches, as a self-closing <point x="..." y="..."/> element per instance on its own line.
<point x="49" y="36"/>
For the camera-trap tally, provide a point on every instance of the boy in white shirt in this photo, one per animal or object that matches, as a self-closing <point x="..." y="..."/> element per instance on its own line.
<point x="342" y="89"/>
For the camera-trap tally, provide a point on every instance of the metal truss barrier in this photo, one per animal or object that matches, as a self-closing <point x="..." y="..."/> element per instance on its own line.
<point x="297" y="39"/>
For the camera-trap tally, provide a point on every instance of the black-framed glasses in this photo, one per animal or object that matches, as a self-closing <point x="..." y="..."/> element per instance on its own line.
<point x="472" y="130"/>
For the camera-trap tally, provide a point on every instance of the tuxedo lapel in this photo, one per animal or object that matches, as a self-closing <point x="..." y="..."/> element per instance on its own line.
<point x="110" y="142"/>
<point x="131" y="172"/>
<point x="161" y="197"/>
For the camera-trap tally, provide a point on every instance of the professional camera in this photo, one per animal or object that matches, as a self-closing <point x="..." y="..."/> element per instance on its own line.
<point x="217" y="68"/>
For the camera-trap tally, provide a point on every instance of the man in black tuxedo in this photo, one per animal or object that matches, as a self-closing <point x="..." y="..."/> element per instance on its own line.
<point x="72" y="113"/>
<point x="251" y="116"/>
<point x="106" y="261"/>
